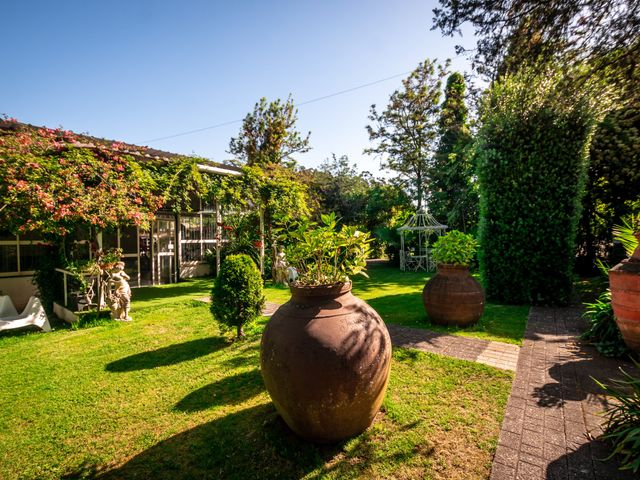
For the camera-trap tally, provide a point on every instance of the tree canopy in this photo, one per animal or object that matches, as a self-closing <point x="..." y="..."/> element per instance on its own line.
<point x="602" y="32"/>
<point x="613" y="182"/>
<point x="406" y="132"/>
<point x="338" y="187"/>
<point x="268" y="135"/>
<point x="275" y="189"/>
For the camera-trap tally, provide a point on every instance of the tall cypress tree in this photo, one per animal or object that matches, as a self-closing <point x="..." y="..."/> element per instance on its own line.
<point x="453" y="195"/>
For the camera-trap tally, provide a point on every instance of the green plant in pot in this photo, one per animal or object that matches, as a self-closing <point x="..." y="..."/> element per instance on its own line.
<point x="624" y="281"/>
<point x="325" y="354"/>
<point x="453" y="296"/>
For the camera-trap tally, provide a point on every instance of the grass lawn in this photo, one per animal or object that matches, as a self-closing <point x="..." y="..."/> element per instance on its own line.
<point x="397" y="297"/>
<point x="166" y="397"/>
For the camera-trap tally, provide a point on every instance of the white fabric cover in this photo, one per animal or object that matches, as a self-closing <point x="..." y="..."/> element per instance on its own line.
<point x="6" y="307"/>
<point x="33" y="314"/>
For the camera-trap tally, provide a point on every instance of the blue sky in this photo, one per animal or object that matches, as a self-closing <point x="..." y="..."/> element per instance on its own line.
<point x="139" y="70"/>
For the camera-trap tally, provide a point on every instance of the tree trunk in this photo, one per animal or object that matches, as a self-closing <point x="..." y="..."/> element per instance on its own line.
<point x="261" y="241"/>
<point x="218" y="237"/>
<point x="239" y="332"/>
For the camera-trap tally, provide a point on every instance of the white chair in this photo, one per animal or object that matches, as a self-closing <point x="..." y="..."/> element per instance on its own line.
<point x="6" y="307"/>
<point x="33" y="314"/>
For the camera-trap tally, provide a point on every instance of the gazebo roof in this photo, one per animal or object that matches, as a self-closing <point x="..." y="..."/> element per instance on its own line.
<point x="422" y="221"/>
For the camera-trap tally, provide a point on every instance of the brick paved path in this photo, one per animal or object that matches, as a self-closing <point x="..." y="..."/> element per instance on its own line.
<point x="552" y="420"/>
<point x="496" y="354"/>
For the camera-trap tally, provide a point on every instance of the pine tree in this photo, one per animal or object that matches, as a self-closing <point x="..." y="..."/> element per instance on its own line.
<point x="406" y="132"/>
<point x="453" y="196"/>
<point x="269" y="136"/>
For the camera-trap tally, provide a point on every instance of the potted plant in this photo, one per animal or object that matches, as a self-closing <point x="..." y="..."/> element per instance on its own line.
<point x="624" y="281"/>
<point x="325" y="354"/>
<point x="453" y="296"/>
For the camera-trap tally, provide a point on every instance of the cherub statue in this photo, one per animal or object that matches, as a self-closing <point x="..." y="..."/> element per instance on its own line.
<point x="280" y="267"/>
<point x="119" y="293"/>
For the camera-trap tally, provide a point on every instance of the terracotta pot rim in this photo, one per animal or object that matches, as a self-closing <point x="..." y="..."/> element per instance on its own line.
<point x="626" y="267"/>
<point x="337" y="288"/>
<point x="453" y="266"/>
<point x="635" y="256"/>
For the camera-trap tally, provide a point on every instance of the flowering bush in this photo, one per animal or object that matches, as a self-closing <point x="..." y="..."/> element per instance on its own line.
<point x="50" y="182"/>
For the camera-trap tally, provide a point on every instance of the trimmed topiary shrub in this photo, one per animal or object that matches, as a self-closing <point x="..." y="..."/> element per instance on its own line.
<point x="237" y="298"/>
<point x="532" y="156"/>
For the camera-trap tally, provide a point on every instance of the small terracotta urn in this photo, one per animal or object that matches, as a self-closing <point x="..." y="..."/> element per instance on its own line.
<point x="325" y="359"/>
<point x="453" y="296"/>
<point x="624" y="280"/>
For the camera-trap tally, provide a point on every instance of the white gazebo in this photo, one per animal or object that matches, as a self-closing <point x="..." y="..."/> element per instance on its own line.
<point x="421" y="226"/>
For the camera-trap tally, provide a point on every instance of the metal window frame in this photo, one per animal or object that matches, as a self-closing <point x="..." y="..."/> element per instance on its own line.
<point x="17" y="242"/>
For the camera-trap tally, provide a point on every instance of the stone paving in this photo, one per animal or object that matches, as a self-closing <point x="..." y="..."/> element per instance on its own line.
<point x="553" y="420"/>
<point x="495" y="354"/>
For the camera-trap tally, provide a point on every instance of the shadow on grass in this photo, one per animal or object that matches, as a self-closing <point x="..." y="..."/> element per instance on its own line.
<point x="246" y="356"/>
<point x="407" y="309"/>
<point x="251" y="443"/>
<point x="170" y="355"/>
<point x="188" y="288"/>
<point x="230" y="390"/>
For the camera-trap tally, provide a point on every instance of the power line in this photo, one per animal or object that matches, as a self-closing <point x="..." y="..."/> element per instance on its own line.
<point x="313" y="100"/>
<point x="354" y="88"/>
<point x="189" y="132"/>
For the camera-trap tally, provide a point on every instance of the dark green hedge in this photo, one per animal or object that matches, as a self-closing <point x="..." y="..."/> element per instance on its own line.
<point x="532" y="157"/>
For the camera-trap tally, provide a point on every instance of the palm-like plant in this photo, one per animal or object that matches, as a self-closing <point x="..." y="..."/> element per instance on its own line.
<point x="623" y="419"/>
<point x="627" y="233"/>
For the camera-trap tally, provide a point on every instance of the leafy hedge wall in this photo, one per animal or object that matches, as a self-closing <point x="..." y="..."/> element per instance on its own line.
<point x="613" y="182"/>
<point x="532" y="157"/>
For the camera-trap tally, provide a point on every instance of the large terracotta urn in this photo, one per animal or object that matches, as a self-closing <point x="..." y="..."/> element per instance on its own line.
<point x="325" y="359"/>
<point x="624" y="280"/>
<point x="453" y="296"/>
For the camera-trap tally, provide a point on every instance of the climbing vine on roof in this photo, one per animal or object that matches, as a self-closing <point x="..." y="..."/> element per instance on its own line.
<point x="53" y="181"/>
<point x="50" y="183"/>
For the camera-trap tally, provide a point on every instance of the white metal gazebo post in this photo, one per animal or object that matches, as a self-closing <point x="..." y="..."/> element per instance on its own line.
<point x="424" y="225"/>
<point x="402" y="250"/>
